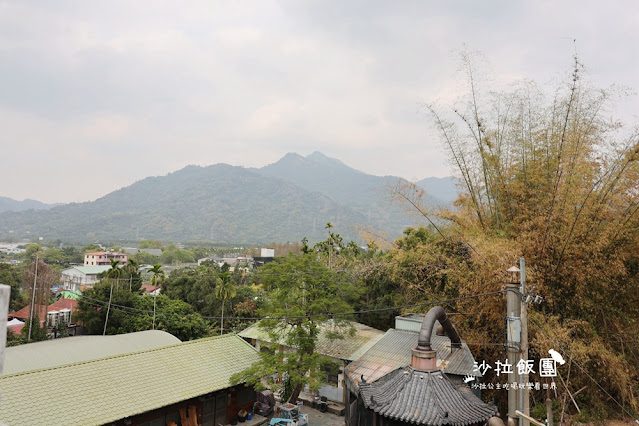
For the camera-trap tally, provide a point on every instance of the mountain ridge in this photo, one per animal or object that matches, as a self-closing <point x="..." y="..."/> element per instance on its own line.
<point x="283" y="201"/>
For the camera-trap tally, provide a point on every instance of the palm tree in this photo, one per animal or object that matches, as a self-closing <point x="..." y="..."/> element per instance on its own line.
<point x="328" y="226"/>
<point x="158" y="276"/>
<point x="224" y="290"/>
<point x="115" y="271"/>
<point x="133" y="269"/>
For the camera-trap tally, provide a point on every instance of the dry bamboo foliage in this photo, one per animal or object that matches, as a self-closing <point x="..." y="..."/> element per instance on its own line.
<point x="553" y="179"/>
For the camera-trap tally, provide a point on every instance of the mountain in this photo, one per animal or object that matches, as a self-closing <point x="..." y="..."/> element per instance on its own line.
<point x="443" y="189"/>
<point x="9" y="204"/>
<point x="367" y="194"/>
<point x="284" y="201"/>
<point x="216" y="203"/>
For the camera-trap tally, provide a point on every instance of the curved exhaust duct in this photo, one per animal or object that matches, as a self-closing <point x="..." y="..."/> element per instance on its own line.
<point x="437" y="313"/>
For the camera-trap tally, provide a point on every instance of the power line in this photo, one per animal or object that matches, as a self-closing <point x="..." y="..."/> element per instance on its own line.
<point x="391" y="308"/>
<point x="583" y="370"/>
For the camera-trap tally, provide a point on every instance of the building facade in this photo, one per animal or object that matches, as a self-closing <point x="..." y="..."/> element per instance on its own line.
<point x="103" y="258"/>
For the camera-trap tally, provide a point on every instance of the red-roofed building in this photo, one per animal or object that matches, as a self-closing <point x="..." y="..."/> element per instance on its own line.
<point x="152" y="290"/>
<point x="56" y="312"/>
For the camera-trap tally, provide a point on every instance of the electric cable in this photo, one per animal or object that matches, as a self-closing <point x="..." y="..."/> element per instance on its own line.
<point x="328" y="314"/>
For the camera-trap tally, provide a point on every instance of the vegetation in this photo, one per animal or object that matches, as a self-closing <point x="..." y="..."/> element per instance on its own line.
<point x="131" y="311"/>
<point x="224" y="290"/>
<point x="12" y="276"/>
<point x="552" y="179"/>
<point x="302" y="294"/>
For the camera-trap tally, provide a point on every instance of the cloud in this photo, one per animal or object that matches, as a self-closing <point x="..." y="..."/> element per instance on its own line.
<point x="165" y="85"/>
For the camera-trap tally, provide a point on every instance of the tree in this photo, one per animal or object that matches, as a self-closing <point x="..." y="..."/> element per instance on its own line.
<point x="91" y="248"/>
<point x="302" y="293"/>
<point x="131" y="312"/>
<point x="150" y="244"/>
<point x="92" y="309"/>
<point x="224" y="290"/>
<point x="12" y="276"/>
<point x="132" y="271"/>
<point x="173" y="316"/>
<point x="38" y="332"/>
<point x="173" y="254"/>
<point x="31" y="251"/>
<point x="552" y="179"/>
<point x="144" y="258"/>
<point x="115" y="271"/>
<point x="158" y="275"/>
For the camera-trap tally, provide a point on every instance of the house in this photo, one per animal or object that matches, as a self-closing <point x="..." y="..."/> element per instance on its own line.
<point x="415" y="377"/>
<point x="15" y="325"/>
<point x="177" y="382"/>
<point x="52" y="316"/>
<point x="98" y="258"/>
<point x="74" y="277"/>
<point x="135" y="250"/>
<point x="341" y="351"/>
<point x="151" y="290"/>
<point x="267" y="255"/>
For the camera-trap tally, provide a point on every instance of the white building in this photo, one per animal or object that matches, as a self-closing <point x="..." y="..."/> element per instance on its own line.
<point x="74" y="277"/>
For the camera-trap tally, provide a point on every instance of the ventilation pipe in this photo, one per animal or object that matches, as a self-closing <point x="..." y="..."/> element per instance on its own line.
<point x="424" y="357"/>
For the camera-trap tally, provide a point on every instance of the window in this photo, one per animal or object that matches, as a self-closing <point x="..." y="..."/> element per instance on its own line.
<point x="331" y="370"/>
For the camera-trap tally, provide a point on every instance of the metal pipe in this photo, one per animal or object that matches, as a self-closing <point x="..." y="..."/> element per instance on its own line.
<point x="436" y="313"/>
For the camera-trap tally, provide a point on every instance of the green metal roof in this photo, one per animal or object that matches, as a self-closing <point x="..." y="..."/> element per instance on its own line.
<point x="90" y="270"/>
<point x="56" y="352"/>
<point x="108" y="389"/>
<point x="67" y="294"/>
<point x="347" y="348"/>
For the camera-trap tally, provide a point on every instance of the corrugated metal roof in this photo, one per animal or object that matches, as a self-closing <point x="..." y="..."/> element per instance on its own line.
<point x="347" y="348"/>
<point x="90" y="270"/>
<point x="424" y="398"/>
<point x="393" y="351"/>
<point x="52" y="353"/>
<point x="108" y="389"/>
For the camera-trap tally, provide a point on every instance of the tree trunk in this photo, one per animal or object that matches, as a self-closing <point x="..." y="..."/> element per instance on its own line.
<point x="295" y="395"/>
<point x="222" y="323"/>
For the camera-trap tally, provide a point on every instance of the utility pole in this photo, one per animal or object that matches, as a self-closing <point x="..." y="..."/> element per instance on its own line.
<point x="154" y="297"/>
<point x="513" y="341"/>
<point x="5" y="297"/>
<point x="106" y="320"/>
<point x="35" y="278"/>
<point x="525" y="392"/>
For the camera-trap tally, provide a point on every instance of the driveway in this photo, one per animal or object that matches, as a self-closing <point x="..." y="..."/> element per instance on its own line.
<point x="317" y="418"/>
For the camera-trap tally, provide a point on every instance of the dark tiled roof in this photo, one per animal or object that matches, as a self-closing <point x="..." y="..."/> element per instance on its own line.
<point x="393" y="351"/>
<point x="424" y="398"/>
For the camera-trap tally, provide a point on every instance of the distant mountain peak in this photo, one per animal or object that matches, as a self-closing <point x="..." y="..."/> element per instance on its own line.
<point x="316" y="155"/>
<point x="292" y="156"/>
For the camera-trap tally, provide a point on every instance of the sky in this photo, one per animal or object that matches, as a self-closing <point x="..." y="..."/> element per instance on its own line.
<point x="97" y="95"/>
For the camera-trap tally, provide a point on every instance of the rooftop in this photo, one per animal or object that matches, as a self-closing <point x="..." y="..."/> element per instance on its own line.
<point x="57" y="352"/>
<point x="424" y="398"/>
<point x="59" y="304"/>
<point x="347" y="348"/>
<point x="121" y="386"/>
<point x="90" y="270"/>
<point x="393" y="351"/>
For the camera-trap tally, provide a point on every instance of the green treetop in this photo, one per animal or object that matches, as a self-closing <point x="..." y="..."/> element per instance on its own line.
<point x="301" y="294"/>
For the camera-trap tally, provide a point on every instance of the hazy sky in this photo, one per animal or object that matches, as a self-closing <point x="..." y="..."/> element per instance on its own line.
<point x="97" y="95"/>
